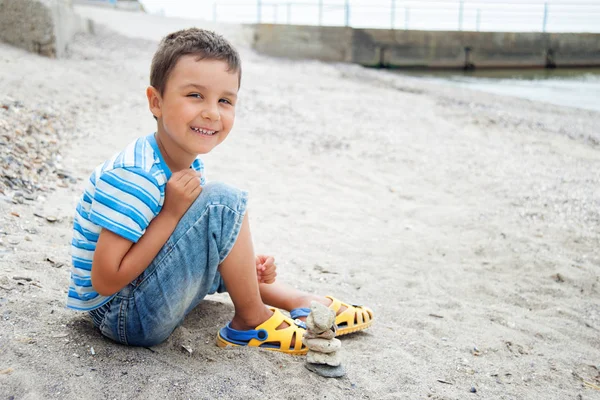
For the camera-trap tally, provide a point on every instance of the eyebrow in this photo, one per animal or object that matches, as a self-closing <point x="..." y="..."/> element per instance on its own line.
<point x="226" y="93"/>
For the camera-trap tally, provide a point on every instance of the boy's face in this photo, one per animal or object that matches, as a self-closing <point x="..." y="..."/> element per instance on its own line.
<point x="197" y="109"/>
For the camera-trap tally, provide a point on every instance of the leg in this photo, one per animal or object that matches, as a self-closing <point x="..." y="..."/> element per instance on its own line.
<point x="239" y="274"/>
<point x="283" y="296"/>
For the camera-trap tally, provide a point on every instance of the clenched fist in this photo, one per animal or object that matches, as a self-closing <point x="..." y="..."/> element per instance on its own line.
<point x="182" y="189"/>
<point x="265" y="269"/>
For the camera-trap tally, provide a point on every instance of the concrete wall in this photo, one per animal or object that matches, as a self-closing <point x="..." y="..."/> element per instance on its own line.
<point x="292" y="41"/>
<point x="435" y="49"/>
<point x="429" y="49"/>
<point x="41" y="26"/>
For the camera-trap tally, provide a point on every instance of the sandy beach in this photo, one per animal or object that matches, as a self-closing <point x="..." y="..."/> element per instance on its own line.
<point x="469" y="223"/>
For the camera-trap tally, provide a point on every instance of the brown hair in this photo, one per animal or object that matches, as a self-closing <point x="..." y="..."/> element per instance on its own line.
<point x="193" y="41"/>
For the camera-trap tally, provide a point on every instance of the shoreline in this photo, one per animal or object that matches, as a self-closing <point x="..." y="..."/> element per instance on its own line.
<point x="576" y="88"/>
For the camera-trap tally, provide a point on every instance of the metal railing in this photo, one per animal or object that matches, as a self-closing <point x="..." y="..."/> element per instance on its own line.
<point x="472" y="15"/>
<point x="131" y="5"/>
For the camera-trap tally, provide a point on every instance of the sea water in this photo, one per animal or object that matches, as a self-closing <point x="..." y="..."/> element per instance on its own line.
<point x="579" y="88"/>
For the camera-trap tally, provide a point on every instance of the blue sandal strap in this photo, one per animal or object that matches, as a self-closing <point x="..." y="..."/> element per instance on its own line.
<point x="243" y="337"/>
<point x="299" y="313"/>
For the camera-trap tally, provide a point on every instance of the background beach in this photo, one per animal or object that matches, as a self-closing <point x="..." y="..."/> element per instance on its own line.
<point x="467" y="220"/>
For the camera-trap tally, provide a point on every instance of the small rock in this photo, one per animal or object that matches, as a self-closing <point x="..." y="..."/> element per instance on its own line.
<point x="188" y="349"/>
<point x="328" y="334"/>
<point x="323" y="317"/>
<point x="310" y="325"/>
<point x="323" y="345"/>
<point x="473" y="390"/>
<point x="326" y="371"/>
<point x="332" y="359"/>
<point x="51" y="218"/>
<point x="60" y="335"/>
<point x="92" y="351"/>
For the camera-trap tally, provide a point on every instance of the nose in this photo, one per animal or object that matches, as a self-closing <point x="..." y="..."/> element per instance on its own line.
<point x="210" y="112"/>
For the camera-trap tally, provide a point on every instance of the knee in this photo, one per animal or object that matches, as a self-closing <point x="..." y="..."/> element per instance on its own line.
<point x="218" y="210"/>
<point x="219" y="193"/>
<point x="149" y="340"/>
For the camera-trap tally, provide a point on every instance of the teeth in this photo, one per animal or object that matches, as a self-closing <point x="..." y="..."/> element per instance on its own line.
<point x="203" y="131"/>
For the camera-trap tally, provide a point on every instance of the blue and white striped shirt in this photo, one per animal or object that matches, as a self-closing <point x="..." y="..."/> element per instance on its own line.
<point x="122" y="195"/>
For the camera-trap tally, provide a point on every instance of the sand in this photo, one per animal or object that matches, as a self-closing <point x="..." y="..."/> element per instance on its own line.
<point x="467" y="221"/>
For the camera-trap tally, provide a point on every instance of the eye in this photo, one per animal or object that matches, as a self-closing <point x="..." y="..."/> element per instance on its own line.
<point x="195" y="95"/>
<point x="226" y="101"/>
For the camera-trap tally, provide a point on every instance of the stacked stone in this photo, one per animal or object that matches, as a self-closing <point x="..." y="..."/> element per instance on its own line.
<point x="323" y="356"/>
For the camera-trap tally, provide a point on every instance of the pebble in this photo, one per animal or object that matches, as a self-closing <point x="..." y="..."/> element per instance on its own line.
<point x="30" y="149"/>
<point x="332" y="359"/>
<point x="60" y="335"/>
<point x="322" y="317"/>
<point x="323" y="345"/>
<point x="328" y="334"/>
<point x="473" y="390"/>
<point x="326" y="371"/>
<point x="310" y="325"/>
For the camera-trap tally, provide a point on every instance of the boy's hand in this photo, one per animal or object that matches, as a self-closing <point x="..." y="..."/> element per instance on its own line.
<point x="265" y="269"/>
<point x="182" y="189"/>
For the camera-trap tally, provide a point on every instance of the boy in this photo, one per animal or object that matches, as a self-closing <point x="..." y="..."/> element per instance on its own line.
<point x="151" y="238"/>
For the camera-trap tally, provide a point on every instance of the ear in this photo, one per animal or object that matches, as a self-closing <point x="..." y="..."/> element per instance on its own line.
<point x="154" y="101"/>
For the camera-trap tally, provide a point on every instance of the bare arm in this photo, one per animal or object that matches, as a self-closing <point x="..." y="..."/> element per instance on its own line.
<point x="118" y="261"/>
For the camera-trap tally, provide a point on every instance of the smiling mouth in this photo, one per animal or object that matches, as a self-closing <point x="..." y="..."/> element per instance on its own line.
<point x="203" y="131"/>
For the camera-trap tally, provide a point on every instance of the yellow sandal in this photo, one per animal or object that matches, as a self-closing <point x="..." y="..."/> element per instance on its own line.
<point x="354" y="318"/>
<point x="267" y="336"/>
